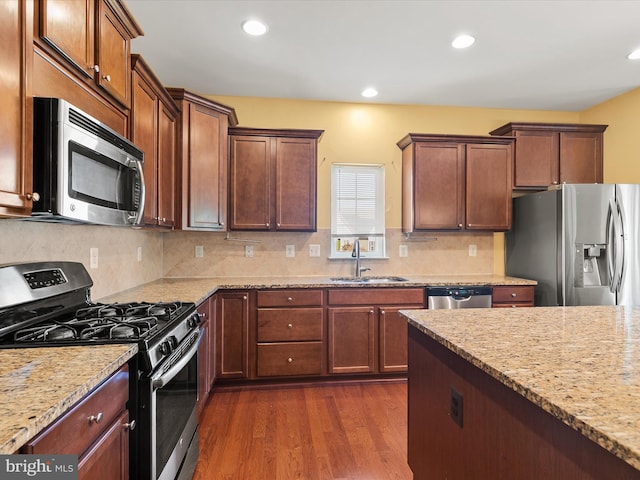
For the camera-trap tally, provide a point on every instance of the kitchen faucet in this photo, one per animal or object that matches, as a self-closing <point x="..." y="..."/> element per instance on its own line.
<point x="355" y="253"/>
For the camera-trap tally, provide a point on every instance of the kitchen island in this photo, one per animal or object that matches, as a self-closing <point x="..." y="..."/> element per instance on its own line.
<point x="524" y="393"/>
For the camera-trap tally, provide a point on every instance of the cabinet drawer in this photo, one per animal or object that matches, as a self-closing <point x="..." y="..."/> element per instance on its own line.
<point x="513" y="294"/>
<point x="296" y="358"/>
<point x="290" y="298"/>
<point x="76" y="430"/>
<point x="376" y="296"/>
<point x="289" y="324"/>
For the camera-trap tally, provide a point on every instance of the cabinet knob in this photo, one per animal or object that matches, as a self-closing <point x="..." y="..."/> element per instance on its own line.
<point x="202" y="315"/>
<point x="290" y="325"/>
<point x="289" y="299"/>
<point x="371" y="312"/>
<point x="513" y="294"/>
<point x="95" y="68"/>
<point x="222" y="224"/>
<point x="267" y="225"/>
<point x="244" y="297"/>
<point x="164" y="219"/>
<point x="129" y="426"/>
<point x="106" y="77"/>
<point x="459" y="225"/>
<point x="95" y="418"/>
<point x="513" y="306"/>
<point x="35" y="196"/>
<point x="289" y="360"/>
<point x="278" y="225"/>
<point x="381" y="312"/>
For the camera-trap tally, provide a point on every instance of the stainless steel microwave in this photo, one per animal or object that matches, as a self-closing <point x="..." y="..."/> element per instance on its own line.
<point x="83" y="171"/>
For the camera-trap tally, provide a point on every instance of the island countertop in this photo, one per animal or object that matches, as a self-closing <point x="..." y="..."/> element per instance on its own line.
<point x="580" y="364"/>
<point x="37" y="385"/>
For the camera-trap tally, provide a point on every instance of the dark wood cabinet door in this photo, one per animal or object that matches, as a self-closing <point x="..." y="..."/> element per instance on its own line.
<point x="113" y="55"/>
<point x="166" y="167"/>
<point x="250" y="179"/>
<point x="352" y="339"/>
<point x="488" y="187"/>
<point x="393" y="338"/>
<point x="536" y="159"/>
<point x="204" y="353"/>
<point x="296" y="172"/>
<point x="15" y="135"/>
<point x="581" y="157"/>
<point x="206" y="168"/>
<point x="108" y="458"/>
<point x="144" y="129"/>
<point x="68" y="27"/>
<point x="232" y="328"/>
<point x="438" y="186"/>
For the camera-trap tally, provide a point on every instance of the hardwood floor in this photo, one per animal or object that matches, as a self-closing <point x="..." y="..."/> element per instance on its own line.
<point x="311" y="432"/>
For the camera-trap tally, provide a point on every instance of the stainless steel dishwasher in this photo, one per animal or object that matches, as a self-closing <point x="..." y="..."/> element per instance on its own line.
<point x="441" y="298"/>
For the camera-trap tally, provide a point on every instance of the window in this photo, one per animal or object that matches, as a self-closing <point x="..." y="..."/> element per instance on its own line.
<point x="357" y="210"/>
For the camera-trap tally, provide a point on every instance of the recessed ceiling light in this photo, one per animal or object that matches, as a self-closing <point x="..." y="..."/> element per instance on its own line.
<point x="369" y="92"/>
<point x="635" y="55"/>
<point x="463" y="41"/>
<point x="254" y="27"/>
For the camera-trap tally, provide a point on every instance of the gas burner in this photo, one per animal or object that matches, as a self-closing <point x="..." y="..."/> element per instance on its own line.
<point x="162" y="310"/>
<point x="46" y="333"/>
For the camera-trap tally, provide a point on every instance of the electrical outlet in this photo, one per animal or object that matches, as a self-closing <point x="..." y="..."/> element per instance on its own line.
<point x="473" y="250"/>
<point x="314" y="250"/>
<point x="139" y="254"/>
<point x="290" y="251"/>
<point x="199" y="251"/>
<point x="248" y="251"/>
<point x="403" y="251"/>
<point x="93" y="257"/>
<point x="457" y="404"/>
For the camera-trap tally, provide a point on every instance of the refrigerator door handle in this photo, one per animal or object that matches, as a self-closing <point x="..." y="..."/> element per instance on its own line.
<point x="615" y="247"/>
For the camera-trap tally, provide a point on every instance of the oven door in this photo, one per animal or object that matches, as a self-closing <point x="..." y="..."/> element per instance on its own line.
<point x="173" y="422"/>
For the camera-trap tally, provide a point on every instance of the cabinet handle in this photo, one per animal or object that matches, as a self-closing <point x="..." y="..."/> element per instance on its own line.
<point x="95" y="418"/>
<point x="129" y="426"/>
<point x="513" y="294"/>
<point x="106" y="77"/>
<point x="35" y="196"/>
<point x="289" y="360"/>
<point x="290" y="325"/>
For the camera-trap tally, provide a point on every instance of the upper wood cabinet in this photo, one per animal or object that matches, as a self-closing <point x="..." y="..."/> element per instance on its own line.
<point x="553" y="153"/>
<point x="153" y="130"/>
<point x="202" y="161"/>
<point x="272" y="180"/>
<point x="455" y="183"/>
<point x="15" y="99"/>
<point x="93" y="39"/>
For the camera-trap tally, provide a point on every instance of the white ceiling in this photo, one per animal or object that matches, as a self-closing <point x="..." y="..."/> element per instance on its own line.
<point x="529" y="54"/>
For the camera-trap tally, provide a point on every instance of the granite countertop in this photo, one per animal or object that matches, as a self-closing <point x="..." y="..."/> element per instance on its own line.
<point x="197" y="289"/>
<point x="580" y="364"/>
<point x="37" y="385"/>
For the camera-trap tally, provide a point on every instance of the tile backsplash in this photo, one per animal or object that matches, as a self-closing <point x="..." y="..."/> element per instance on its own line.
<point x="173" y="254"/>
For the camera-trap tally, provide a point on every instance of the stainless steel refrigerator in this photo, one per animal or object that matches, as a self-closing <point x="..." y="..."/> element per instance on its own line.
<point x="580" y="242"/>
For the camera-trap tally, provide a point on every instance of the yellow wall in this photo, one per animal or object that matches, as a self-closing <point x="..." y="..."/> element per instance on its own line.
<point x="621" y="155"/>
<point x="367" y="133"/>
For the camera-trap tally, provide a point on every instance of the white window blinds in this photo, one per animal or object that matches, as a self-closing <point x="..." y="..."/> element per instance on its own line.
<point x="357" y="206"/>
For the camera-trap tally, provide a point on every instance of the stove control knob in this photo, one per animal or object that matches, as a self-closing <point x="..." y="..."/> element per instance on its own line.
<point x="173" y="342"/>
<point x="165" y="348"/>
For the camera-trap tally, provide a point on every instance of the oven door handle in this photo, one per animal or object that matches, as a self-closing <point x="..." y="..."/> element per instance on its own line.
<point x="159" y="381"/>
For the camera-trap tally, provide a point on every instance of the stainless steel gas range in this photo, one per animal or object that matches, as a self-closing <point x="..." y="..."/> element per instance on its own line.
<point x="49" y="304"/>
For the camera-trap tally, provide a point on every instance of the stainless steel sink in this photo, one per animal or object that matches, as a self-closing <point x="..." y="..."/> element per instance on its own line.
<point x="391" y="279"/>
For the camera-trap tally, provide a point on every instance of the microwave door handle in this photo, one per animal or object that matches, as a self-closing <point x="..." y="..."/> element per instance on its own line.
<point x="138" y="217"/>
<point x="159" y="381"/>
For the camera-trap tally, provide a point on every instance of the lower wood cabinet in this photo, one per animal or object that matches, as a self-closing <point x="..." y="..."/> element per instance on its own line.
<point x="290" y="333"/>
<point x="96" y="429"/>
<point x="206" y="351"/>
<point x="509" y="296"/>
<point x="365" y="332"/>
<point x="232" y="335"/>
